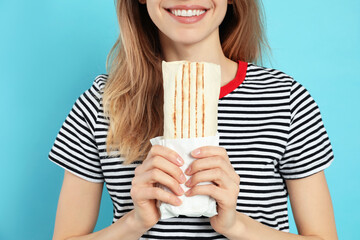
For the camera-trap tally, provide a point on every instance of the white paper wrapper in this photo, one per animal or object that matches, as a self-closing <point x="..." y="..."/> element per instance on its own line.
<point x="194" y="206"/>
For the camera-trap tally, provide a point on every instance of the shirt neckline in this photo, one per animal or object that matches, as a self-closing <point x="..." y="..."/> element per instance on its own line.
<point x="233" y="84"/>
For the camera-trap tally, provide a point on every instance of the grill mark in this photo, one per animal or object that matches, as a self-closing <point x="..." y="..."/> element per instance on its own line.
<point x="203" y="100"/>
<point x="174" y="116"/>
<point x="182" y="102"/>
<point x="189" y="99"/>
<point x="196" y="100"/>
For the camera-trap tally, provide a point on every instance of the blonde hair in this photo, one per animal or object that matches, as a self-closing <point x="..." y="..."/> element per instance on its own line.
<point x="133" y="93"/>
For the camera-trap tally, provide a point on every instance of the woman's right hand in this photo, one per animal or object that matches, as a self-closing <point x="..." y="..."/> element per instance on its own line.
<point x="162" y="165"/>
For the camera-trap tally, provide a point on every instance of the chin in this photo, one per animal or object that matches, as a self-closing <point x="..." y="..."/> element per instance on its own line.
<point x="187" y="38"/>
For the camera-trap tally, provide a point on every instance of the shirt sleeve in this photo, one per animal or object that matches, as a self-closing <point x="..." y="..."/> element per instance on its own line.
<point x="308" y="149"/>
<point x="75" y="148"/>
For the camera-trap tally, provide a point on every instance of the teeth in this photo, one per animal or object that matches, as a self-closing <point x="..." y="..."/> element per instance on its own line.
<point x="187" y="13"/>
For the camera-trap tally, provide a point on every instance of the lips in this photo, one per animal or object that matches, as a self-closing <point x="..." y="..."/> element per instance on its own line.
<point x="187" y="13"/>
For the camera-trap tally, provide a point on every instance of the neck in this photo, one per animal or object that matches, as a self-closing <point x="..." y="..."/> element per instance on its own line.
<point x="207" y="50"/>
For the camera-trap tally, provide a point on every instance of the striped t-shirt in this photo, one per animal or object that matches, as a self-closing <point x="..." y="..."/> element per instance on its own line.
<point x="268" y="123"/>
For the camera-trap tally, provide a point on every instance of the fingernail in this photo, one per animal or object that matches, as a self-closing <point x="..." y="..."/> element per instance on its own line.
<point x="178" y="200"/>
<point x="181" y="191"/>
<point x="182" y="178"/>
<point x="196" y="152"/>
<point x="188" y="182"/>
<point x="188" y="170"/>
<point x="179" y="161"/>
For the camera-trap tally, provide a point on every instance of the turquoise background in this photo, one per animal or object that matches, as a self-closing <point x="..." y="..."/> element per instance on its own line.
<point x="51" y="51"/>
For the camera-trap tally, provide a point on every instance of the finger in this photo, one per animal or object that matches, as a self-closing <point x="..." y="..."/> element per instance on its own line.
<point x="165" y="152"/>
<point x="223" y="198"/>
<point x="213" y="162"/>
<point x="210" y="190"/>
<point x="157" y="176"/>
<point x="140" y="194"/>
<point x="208" y="151"/>
<point x="215" y="175"/>
<point x="164" y="165"/>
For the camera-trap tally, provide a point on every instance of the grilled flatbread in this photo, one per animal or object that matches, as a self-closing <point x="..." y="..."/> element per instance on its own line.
<point x="191" y="93"/>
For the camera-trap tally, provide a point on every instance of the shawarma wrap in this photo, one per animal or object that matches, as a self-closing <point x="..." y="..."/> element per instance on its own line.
<point x="191" y="93"/>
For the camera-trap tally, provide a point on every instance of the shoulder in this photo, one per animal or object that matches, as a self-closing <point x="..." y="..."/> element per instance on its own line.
<point x="263" y="74"/>
<point x="98" y="84"/>
<point x="100" y="81"/>
<point x="88" y="105"/>
<point x="95" y="92"/>
<point x="271" y="78"/>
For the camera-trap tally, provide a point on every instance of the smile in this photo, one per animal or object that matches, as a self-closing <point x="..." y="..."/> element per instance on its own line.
<point x="187" y="13"/>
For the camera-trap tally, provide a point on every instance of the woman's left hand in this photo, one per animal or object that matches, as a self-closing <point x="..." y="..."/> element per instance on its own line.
<point x="213" y="165"/>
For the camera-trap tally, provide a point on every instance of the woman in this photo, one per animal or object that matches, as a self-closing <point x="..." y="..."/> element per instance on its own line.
<point x="272" y="139"/>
